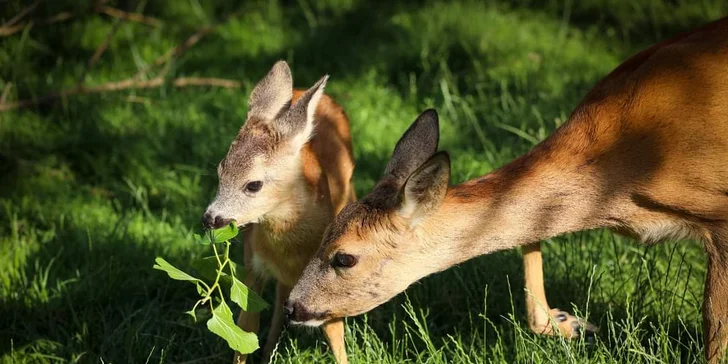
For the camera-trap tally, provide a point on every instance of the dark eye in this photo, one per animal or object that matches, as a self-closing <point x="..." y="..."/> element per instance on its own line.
<point x="253" y="186"/>
<point x="342" y="260"/>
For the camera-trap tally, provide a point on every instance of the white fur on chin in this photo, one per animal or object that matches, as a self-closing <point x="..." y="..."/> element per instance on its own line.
<point x="310" y="323"/>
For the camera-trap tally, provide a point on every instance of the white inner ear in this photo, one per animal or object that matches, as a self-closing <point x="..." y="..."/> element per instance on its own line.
<point x="407" y="209"/>
<point x="420" y="195"/>
<point x="304" y="136"/>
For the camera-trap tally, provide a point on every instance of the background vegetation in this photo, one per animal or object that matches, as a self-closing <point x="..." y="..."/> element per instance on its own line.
<point x="93" y="187"/>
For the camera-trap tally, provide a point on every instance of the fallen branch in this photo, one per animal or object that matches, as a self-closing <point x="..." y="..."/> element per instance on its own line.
<point x="99" y="51"/>
<point x="175" y="52"/>
<point x="133" y="82"/>
<point x="135" y="17"/>
<point x="27" y="10"/>
<point x="12" y="29"/>
<point x="122" y="85"/>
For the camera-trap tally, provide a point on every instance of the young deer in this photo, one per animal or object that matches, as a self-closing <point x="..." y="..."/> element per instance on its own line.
<point x="287" y="173"/>
<point x="645" y="153"/>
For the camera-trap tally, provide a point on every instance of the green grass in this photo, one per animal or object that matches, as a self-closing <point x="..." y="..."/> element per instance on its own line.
<point x="93" y="187"/>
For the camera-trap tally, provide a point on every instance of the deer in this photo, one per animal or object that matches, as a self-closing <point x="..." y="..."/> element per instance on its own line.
<point x="645" y="153"/>
<point x="286" y="174"/>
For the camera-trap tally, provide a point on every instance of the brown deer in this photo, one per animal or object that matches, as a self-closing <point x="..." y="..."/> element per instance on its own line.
<point x="286" y="175"/>
<point x="645" y="153"/>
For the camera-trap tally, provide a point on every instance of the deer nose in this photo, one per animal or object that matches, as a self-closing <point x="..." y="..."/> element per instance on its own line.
<point x="288" y="307"/>
<point x="296" y="312"/>
<point x="210" y="221"/>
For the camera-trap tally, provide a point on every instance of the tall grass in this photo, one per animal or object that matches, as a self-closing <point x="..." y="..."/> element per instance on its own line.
<point x="95" y="186"/>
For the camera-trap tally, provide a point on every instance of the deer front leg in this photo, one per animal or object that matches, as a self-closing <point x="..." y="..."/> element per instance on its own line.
<point x="715" y="305"/>
<point x="249" y="321"/>
<point x="334" y="332"/>
<point x="541" y="318"/>
<point x="276" y="324"/>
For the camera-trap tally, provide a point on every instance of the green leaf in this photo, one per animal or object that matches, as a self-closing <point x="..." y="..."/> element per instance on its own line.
<point x="247" y="299"/>
<point x="222" y="325"/>
<point x="201" y="290"/>
<point x="224" y="234"/>
<point x="173" y="272"/>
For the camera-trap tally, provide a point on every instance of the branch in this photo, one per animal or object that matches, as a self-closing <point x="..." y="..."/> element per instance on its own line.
<point x="135" y="17"/>
<point x="176" y="51"/>
<point x="27" y="10"/>
<point x="122" y="85"/>
<point x="12" y="29"/>
<point x="99" y="51"/>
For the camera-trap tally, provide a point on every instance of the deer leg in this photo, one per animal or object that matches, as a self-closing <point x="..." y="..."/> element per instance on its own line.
<point x="715" y="302"/>
<point x="334" y="332"/>
<point x="249" y="321"/>
<point x="276" y="324"/>
<point x="541" y="318"/>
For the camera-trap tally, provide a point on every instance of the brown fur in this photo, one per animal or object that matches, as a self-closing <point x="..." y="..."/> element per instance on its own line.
<point x="304" y="163"/>
<point x="645" y="153"/>
<point x="327" y="169"/>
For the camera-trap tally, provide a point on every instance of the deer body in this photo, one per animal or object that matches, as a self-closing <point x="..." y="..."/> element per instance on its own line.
<point x="288" y="237"/>
<point x="286" y="175"/>
<point x="645" y="153"/>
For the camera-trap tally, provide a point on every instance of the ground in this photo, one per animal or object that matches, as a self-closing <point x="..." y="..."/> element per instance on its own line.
<point x="94" y="187"/>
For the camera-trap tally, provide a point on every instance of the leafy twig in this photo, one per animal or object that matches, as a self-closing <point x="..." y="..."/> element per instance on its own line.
<point x="221" y="323"/>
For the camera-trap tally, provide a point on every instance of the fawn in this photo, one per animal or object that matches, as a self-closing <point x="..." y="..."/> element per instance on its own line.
<point x="286" y="175"/>
<point x="645" y="153"/>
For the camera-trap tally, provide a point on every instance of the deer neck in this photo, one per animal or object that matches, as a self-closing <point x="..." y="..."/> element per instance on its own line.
<point x="303" y="210"/>
<point x="528" y="200"/>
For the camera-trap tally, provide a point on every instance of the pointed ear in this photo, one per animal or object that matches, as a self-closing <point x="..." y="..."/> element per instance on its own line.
<point x="417" y="144"/>
<point x="425" y="189"/>
<point x="272" y="94"/>
<point x="298" y="123"/>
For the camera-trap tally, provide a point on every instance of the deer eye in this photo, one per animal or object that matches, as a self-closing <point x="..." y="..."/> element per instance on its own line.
<point x="253" y="186"/>
<point x="342" y="260"/>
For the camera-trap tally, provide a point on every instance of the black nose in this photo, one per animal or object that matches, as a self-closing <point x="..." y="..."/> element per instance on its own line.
<point x="288" y="308"/>
<point x="214" y="222"/>
<point x="297" y="312"/>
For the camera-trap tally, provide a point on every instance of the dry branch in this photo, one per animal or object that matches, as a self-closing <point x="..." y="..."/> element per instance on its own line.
<point x="12" y="29"/>
<point x="99" y="51"/>
<point x="133" y="82"/>
<point x="27" y="10"/>
<point x="122" y="85"/>
<point x="135" y="17"/>
<point x="176" y="51"/>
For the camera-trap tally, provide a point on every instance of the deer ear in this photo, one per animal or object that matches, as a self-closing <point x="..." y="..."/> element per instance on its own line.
<point x="424" y="191"/>
<point x="417" y="144"/>
<point x="298" y="123"/>
<point x="272" y="94"/>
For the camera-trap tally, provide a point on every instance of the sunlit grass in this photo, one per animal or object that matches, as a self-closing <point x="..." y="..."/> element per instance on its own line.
<point x="94" y="187"/>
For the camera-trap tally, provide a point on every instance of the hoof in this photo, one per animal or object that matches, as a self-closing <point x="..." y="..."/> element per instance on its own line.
<point x="565" y="325"/>
<point x="572" y="327"/>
